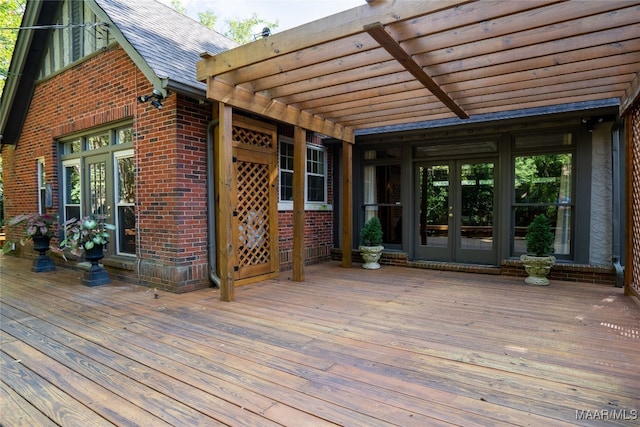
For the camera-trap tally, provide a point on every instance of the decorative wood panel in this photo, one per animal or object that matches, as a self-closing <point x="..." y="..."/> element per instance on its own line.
<point x="633" y="261"/>
<point x="255" y="222"/>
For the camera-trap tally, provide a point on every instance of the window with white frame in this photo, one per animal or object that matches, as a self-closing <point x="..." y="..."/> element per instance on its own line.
<point x="286" y="171"/>
<point x="316" y="188"/>
<point x="315" y="176"/>
<point x="42" y="187"/>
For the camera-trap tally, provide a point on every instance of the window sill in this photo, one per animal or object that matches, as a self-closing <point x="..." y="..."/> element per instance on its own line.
<point x="288" y="206"/>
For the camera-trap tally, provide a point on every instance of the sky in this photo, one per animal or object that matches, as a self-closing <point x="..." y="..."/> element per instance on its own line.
<point x="288" y="13"/>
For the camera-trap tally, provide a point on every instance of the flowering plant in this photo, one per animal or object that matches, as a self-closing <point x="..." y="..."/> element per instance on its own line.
<point x="35" y="225"/>
<point x="85" y="233"/>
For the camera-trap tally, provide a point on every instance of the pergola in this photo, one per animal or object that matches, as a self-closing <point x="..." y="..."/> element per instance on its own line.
<point x="395" y="62"/>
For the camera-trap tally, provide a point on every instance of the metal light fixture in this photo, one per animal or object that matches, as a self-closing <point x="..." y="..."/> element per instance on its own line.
<point x="266" y="32"/>
<point x="156" y="97"/>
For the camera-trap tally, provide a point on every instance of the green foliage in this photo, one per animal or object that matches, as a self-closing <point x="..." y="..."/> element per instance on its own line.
<point x="243" y="31"/>
<point x="371" y="233"/>
<point x="178" y="6"/>
<point x="208" y="18"/>
<point x="539" y="236"/>
<point x="84" y="234"/>
<point x="35" y="225"/>
<point x="10" y="17"/>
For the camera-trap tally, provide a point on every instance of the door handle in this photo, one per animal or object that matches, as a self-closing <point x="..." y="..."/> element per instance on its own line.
<point x="450" y="215"/>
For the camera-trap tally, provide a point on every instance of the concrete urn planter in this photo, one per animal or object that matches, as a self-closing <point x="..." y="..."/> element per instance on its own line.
<point x="370" y="256"/>
<point x="537" y="267"/>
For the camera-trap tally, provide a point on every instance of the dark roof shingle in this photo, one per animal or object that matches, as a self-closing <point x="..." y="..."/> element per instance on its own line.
<point x="168" y="41"/>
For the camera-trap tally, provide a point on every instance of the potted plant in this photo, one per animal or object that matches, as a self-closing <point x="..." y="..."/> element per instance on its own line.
<point x="371" y="243"/>
<point x="39" y="228"/>
<point x="540" y="243"/>
<point x="88" y="236"/>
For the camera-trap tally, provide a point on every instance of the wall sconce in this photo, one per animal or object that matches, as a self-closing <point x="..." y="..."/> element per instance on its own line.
<point x="591" y="122"/>
<point x="156" y="97"/>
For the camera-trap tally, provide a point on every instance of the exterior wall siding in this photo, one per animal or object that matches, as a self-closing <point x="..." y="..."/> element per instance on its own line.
<point x="601" y="198"/>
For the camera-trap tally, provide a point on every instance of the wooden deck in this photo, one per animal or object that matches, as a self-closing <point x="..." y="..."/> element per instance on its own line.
<point x="398" y="346"/>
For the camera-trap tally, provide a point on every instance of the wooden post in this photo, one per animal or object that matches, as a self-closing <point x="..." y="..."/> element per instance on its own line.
<point x="223" y="153"/>
<point x="299" y="168"/>
<point x="347" y="203"/>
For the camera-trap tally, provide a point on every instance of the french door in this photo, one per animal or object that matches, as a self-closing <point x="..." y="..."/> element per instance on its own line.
<point x="99" y="190"/>
<point x="454" y="211"/>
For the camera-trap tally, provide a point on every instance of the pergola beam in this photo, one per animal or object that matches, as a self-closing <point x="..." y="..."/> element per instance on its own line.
<point x="239" y="97"/>
<point x="386" y="41"/>
<point x="323" y="30"/>
<point x="631" y="95"/>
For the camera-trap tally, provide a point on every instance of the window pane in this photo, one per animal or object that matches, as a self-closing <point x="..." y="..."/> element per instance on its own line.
<point x="71" y="211"/>
<point x="382" y="187"/>
<point x="477" y="187"/>
<point x="543" y="179"/>
<point x="560" y="219"/>
<point x="286" y="186"/>
<point x="98" y="141"/>
<point x="126" y="180"/>
<point x="454" y="149"/>
<point x="315" y="161"/>
<point x="384" y="153"/>
<point x="98" y="188"/>
<point x="72" y="184"/>
<point x="434" y="205"/>
<point x="286" y="156"/>
<point x="542" y="140"/>
<point x="73" y="146"/>
<point x="71" y="193"/>
<point x="315" y="188"/>
<point x="125" y="135"/>
<point x="126" y="230"/>
<point x="126" y="204"/>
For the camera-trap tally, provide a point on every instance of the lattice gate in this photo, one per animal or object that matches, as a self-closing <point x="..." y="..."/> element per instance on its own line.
<point x="633" y="263"/>
<point x="255" y="222"/>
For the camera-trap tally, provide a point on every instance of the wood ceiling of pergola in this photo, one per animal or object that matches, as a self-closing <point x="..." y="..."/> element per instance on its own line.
<point x="396" y="62"/>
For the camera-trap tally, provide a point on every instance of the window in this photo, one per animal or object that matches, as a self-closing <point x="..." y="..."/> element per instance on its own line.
<point x="382" y="197"/>
<point x="97" y="141"/>
<point x="544" y="185"/>
<point x="71" y="190"/>
<point x="315" y="176"/>
<point x="126" y="200"/>
<point x="98" y="177"/>
<point x="42" y="187"/>
<point x="286" y="171"/>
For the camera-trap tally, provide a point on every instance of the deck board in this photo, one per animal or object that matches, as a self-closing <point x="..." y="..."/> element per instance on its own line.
<point x="397" y="346"/>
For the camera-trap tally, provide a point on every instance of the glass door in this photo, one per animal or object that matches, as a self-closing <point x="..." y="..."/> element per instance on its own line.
<point x="99" y="189"/>
<point x="474" y="216"/>
<point x="455" y="211"/>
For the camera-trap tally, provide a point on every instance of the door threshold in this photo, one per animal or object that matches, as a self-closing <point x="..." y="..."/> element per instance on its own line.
<point x="456" y="266"/>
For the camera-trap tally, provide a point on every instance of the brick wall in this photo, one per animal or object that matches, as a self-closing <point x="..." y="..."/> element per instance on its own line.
<point x="172" y="195"/>
<point x="171" y="171"/>
<point x="318" y="236"/>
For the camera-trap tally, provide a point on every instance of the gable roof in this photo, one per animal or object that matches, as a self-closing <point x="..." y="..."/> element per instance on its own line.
<point x="168" y="42"/>
<point x="162" y="42"/>
<point x="391" y="63"/>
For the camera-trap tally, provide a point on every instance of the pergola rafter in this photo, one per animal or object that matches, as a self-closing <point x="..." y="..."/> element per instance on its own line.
<point x="389" y="63"/>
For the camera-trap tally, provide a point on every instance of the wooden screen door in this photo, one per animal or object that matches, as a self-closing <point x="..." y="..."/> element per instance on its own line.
<point x="255" y="221"/>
